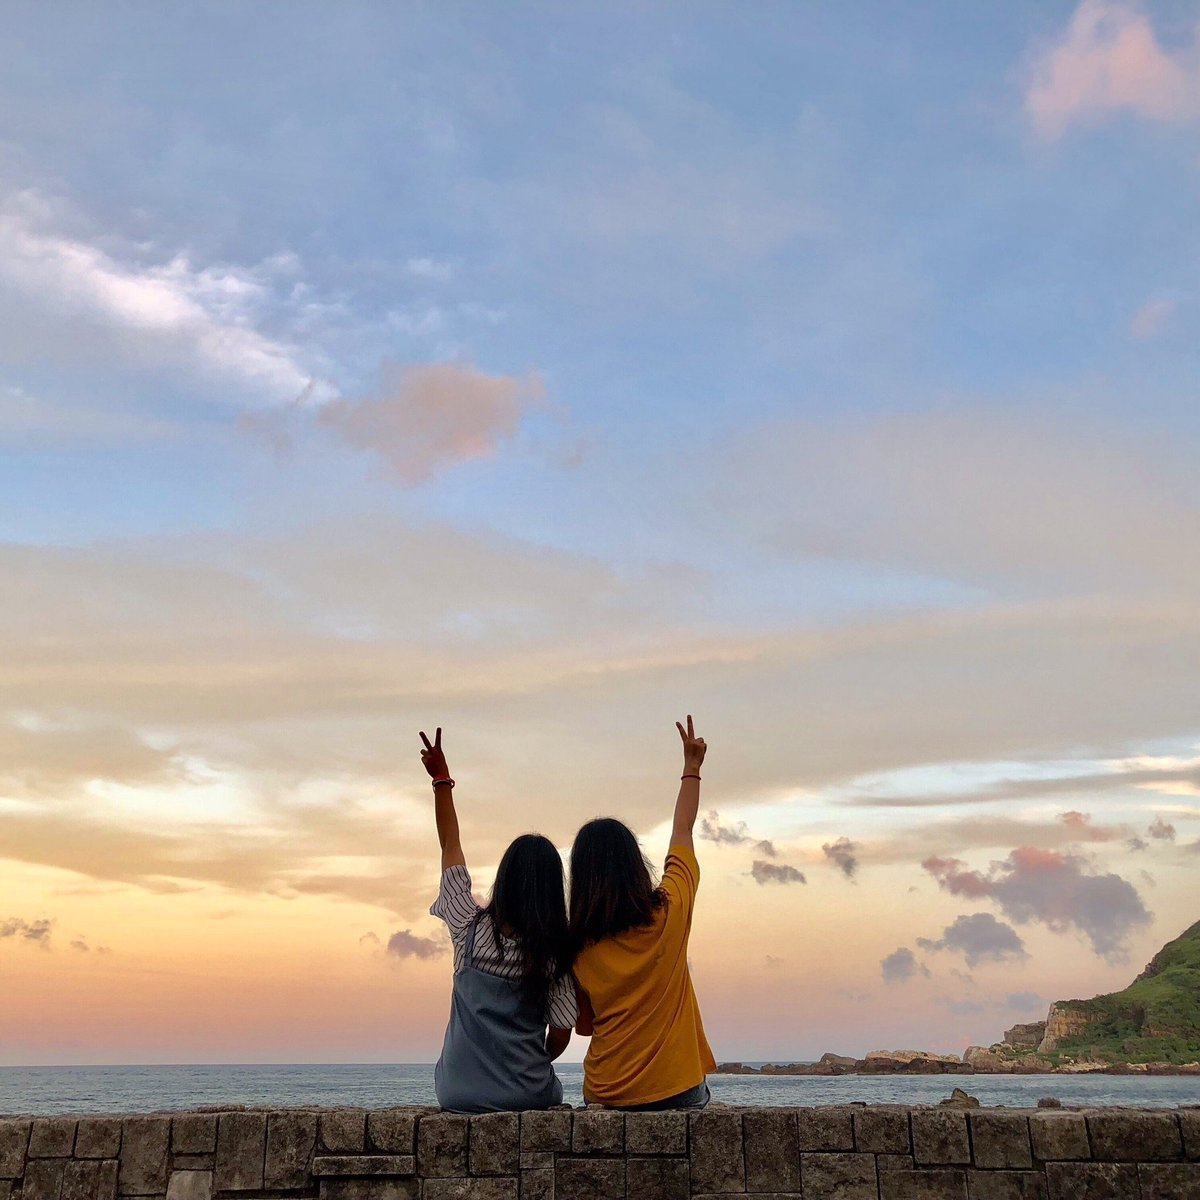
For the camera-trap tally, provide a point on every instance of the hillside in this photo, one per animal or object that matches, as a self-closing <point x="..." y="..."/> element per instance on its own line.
<point x="1155" y="1019"/>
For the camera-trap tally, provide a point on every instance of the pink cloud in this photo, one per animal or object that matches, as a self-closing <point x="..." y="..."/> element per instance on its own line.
<point x="1149" y="320"/>
<point x="1110" y="60"/>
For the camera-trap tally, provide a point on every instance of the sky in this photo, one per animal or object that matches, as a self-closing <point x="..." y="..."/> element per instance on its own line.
<point x="549" y="372"/>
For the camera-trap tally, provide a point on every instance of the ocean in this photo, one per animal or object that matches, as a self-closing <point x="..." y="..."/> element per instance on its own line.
<point x="38" y="1090"/>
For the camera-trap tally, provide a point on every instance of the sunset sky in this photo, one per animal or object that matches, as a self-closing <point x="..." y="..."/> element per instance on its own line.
<point x="546" y="372"/>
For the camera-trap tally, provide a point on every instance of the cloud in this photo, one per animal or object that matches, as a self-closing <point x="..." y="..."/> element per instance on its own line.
<point x="979" y="938"/>
<point x="1109" y="60"/>
<point x="36" y="932"/>
<point x="842" y="854"/>
<point x="80" y="945"/>
<point x="901" y="965"/>
<point x="1055" y="889"/>
<point x="406" y="944"/>
<point x="369" y="939"/>
<point x="1149" y="320"/>
<point x="1161" y="830"/>
<point x="1081" y="828"/>
<point x="1024" y="1000"/>
<point x="713" y="830"/>
<point x="765" y="872"/>
<point x="1136" y="844"/>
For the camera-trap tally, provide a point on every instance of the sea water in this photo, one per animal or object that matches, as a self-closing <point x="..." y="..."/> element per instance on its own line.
<point x="34" y="1090"/>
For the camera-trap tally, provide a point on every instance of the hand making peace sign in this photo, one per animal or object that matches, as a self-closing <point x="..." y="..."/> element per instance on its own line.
<point x="693" y="747"/>
<point x="433" y="757"/>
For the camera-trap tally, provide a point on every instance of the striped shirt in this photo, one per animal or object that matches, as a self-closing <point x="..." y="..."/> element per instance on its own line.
<point x="458" y="908"/>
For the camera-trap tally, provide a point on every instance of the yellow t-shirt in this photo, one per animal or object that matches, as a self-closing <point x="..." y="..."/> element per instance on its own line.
<point x="648" y="1041"/>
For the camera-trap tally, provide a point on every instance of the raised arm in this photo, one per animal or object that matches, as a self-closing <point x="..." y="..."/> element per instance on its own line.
<point x="687" y="805"/>
<point x="443" y="801"/>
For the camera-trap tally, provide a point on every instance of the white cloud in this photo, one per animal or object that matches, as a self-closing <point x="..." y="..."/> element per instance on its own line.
<point x="1151" y="318"/>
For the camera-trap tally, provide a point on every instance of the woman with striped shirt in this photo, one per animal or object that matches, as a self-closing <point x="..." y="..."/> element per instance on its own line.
<point x="513" y="1005"/>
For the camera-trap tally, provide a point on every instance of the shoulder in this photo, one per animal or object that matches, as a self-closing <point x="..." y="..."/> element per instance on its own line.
<point x="682" y="866"/>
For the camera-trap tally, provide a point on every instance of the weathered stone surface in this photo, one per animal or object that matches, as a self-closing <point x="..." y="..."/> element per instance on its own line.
<point x="597" y="1131"/>
<point x="940" y="1136"/>
<point x="825" y="1128"/>
<point x="1189" y="1123"/>
<point x="442" y="1146"/>
<point x="882" y="1131"/>
<point x="1000" y="1139"/>
<point x="495" y="1144"/>
<point x="657" y="1178"/>
<point x="1134" y="1136"/>
<point x="894" y="1162"/>
<point x="193" y="1162"/>
<point x="291" y="1143"/>
<point x="393" y="1130"/>
<point x="194" y="1133"/>
<point x="549" y="1130"/>
<point x="1091" y="1181"/>
<point x="536" y="1160"/>
<point x="538" y="1184"/>
<point x="589" y="1179"/>
<point x="1006" y="1185"/>
<point x="772" y="1150"/>
<point x="363" y="1164"/>
<point x="241" y="1151"/>
<point x="14" y="1138"/>
<point x="845" y="1176"/>
<point x="98" y="1137"/>
<point x="51" y="1137"/>
<point x="144" y="1156"/>
<point x="717" y="1160"/>
<point x="1169" y="1181"/>
<point x="43" y="1179"/>
<point x="471" y="1189"/>
<point x="656" y="1132"/>
<point x="923" y="1185"/>
<point x="344" y="1131"/>
<point x="190" y="1185"/>
<point x="1059" y="1136"/>
<point x="89" y="1179"/>
<point x="370" y="1189"/>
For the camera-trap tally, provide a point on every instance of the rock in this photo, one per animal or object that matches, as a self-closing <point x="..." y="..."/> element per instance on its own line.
<point x="1026" y="1037"/>
<point x="910" y="1055"/>
<point x="1063" y="1022"/>
<point x="987" y="1062"/>
<point x="735" y="1068"/>
<point x="959" y="1099"/>
<point x="838" y="1063"/>
<point x="1049" y="1102"/>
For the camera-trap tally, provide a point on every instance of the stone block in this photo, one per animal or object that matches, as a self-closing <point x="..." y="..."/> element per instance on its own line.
<point x="98" y="1137"/>
<point x="1091" y="1181"/>
<point x="194" y="1133"/>
<point x="370" y="1189"/>
<point x="1059" y="1136"/>
<point x="882" y="1131"/>
<point x="717" y="1156"/>
<point x="363" y="1164"/>
<point x="241" y="1151"/>
<point x="549" y="1130"/>
<point x="393" y="1130"/>
<point x="193" y="1162"/>
<point x="442" y="1146"/>
<point x="89" y="1179"/>
<point x="538" y="1184"/>
<point x="6" y="1186"/>
<point x="1006" y="1185"/>
<point x="894" y="1162"/>
<point x="825" y="1128"/>
<point x="471" y="1189"/>
<point x="1136" y="1136"/>
<point x="344" y="1131"/>
<point x="839" y="1176"/>
<point x="597" y="1131"/>
<point x="656" y="1133"/>
<point x="772" y="1150"/>
<point x="144" y="1143"/>
<point x="190" y="1185"/>
<point x="52" y="1137"/>
<point x="657" y="1178"/>
<point x="1169" y="1181"/>
<point x="1189" y="1124"/>
<point x="536" y="1160"/>
<point x="923" y="1185"/>
<point x="940" y="1136"/>
<point x="589" y="1179"/>
<point x="495" y="1144"/>
<point x="14" y="1138"/>
<point x="1000" y="1139"/>
<point x="43" y="1179"/>
<point x="291" y="1143"/>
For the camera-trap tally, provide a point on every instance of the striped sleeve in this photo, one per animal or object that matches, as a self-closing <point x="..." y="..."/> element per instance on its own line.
<point x="563" y="1008"/>
<point x="455" y="904"/>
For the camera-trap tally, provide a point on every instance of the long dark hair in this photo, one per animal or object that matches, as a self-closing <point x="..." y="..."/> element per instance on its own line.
<point x="528" y="898"/>
<point x="612" y="889"/>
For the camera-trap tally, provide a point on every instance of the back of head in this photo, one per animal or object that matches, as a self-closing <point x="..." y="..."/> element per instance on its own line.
<point x="528" y="898"/>
<point x="612" y="889"/>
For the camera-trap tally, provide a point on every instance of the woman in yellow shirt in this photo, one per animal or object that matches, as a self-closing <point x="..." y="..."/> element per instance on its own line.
<point x="636" y="998"/>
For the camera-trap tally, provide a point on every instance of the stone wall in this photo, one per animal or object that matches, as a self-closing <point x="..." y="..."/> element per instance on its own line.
<point x="846" y="1153"/>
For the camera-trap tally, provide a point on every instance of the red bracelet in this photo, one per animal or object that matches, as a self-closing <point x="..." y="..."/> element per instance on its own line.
<point x="446" y="780"/>
<point x="689" y="777"/>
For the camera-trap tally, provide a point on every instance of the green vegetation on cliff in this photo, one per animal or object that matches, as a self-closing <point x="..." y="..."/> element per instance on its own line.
<point x="1155" y="1019"/>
